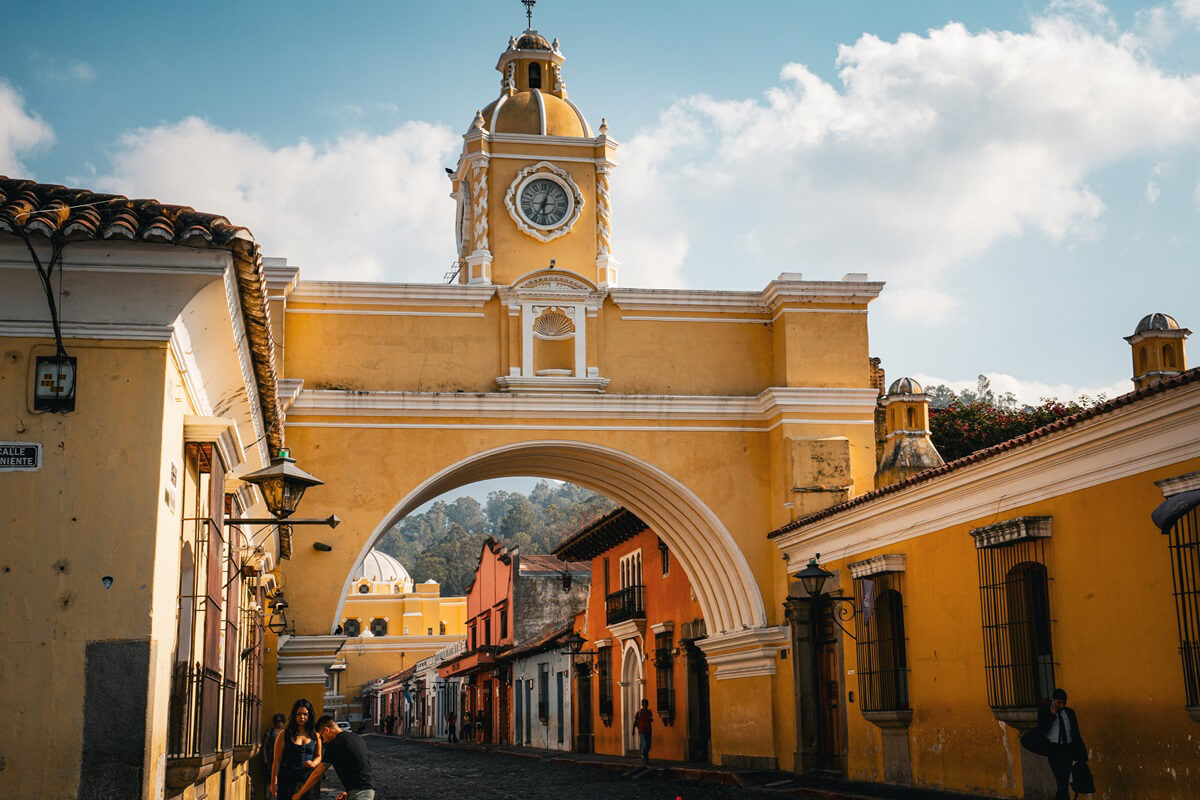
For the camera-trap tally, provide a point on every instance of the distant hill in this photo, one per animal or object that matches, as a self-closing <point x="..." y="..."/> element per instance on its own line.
<point x="443" y="542"/>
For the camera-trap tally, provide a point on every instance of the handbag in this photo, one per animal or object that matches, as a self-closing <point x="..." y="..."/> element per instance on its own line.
<point x="1081" y="779"/>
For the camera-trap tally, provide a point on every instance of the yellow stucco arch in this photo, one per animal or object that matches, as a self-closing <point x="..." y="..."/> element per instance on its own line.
<point x="718" y="570"/>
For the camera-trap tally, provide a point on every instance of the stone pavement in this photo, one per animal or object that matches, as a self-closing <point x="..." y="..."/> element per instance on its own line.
<point x="423" y="769"/>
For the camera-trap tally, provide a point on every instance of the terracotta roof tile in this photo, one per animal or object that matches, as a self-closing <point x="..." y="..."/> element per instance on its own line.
<point x="1183" y="379"/>
<point x="605" y="533"/>
<point x="49" y="209"/>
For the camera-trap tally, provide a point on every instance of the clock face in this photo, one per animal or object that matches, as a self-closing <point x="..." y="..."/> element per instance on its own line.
<point x="544" y="202"/>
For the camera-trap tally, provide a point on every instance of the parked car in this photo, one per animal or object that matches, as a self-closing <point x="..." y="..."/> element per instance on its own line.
<point x="343" y="725"/>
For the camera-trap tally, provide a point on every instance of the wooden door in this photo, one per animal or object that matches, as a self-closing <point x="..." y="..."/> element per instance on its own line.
<point x="829" y="690"/>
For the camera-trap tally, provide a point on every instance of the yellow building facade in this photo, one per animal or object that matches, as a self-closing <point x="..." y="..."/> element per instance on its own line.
<point x="998" y="577"/>
<point x="390" y="624"/>
<point x="131" y="651"/>
<point x="703" y="412"/>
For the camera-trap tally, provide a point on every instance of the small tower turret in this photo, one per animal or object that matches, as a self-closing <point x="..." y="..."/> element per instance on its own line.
<point x="1157" y="349"/>
<point x="908" y="448"/>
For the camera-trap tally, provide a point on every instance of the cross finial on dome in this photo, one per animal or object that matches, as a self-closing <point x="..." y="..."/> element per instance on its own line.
<point x="529" y="4"/>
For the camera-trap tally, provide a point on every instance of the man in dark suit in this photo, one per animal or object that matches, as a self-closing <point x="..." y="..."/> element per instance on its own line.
<point x="1058" y="725"/>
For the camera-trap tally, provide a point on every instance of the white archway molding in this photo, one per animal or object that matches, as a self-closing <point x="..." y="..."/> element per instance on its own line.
<point x="725" y="587"/>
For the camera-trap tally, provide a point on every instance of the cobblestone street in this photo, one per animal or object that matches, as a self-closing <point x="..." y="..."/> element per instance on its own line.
<point x="419" y="771"/>
<point x="408" y="770"/>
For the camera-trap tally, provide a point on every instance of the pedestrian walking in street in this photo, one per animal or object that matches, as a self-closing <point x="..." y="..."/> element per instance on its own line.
<point x="347" y="753"/>
<point x="278" y="723"/>
<point x="479" y="723"/>
<point x="643" y="723"/>
<point x="297" y="751"/>
<point x="451" y="720"/>
<point x="1057" y="737"/>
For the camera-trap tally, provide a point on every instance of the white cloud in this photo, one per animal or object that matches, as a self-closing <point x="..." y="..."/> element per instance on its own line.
<point x="931" y="149"/>
<point x="1029" y="392"/>
<point x="50" y="68"/>
<point x="1153" y="190"/>
<point x="21" y="132"/>
<point x="1189" y="10"/>
<point x="917" y="305"/>
<point x="364" y="207"/>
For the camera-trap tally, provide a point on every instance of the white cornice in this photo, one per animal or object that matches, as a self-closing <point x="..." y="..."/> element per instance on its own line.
<point x="1155" y="432"/>
<point x="281" y="279"/>
<point x="744" y="654"/>
<point x="549" y="384"/>
<point x="694" y="300"/>
<point x="135" y="331"/>
<point x="768" y="301"/>
<point x="889" y="562"/>
<point x="1179" y="484"/>
<point x="767" y="405"/>
<point x="422" y="294"/>
<point x="222" y="431"/>
<point x="539" y="139"/>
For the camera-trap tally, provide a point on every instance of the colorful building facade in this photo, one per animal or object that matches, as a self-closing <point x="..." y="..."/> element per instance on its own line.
<point x="389" y="623"/>
<point x="512" y="598"/>
<point x="134" y="654"/>
<point x="979" y="586"/>
<point x="641" y="626"/>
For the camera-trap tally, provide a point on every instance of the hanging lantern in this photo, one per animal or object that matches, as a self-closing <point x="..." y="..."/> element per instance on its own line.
<point x="282" y="484"/>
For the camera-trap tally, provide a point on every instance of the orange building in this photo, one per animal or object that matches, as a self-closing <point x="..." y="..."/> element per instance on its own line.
<point x="641" y="623"/>
<point x="511" y="599"/>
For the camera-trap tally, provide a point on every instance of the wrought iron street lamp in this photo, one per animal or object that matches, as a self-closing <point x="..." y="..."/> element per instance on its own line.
<point x="279" y="621"/>
<point x="282" y="484"/>
<point x="575" y="650"/>
<point x="813" y="578"/>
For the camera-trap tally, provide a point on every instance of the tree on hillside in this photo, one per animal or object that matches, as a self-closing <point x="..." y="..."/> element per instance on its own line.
<point x="443" y="542"/>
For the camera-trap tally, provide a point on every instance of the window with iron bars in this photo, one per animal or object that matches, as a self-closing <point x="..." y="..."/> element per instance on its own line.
<point x="1184" y="547"/>
<point x="1014" y="597"/>
<point x="664" y="676"/>
<point x="882" y="666"/>
<point x="204" y="708"/>
<point x="604" y="687"/>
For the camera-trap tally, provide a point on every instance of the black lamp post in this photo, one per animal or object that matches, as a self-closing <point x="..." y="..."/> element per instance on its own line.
<point x="813" y="578"/>
<point x="282" y="485"/>
<point x="575" y="650"/>
<point x="279" y="621"/>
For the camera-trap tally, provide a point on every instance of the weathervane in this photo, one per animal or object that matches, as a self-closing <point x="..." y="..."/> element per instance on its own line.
<point x="529" y="4"/>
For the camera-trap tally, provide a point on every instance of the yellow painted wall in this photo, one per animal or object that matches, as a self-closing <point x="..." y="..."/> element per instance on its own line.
<point x="101" y="471"/>
<point x="1114" y="639"/>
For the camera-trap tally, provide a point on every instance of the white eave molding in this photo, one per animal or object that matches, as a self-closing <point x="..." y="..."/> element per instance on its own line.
<point x="745" y="654"/>
<point x="422" y="294"/>
<point x="764" y="406"/>
<point x="1154" y="432"/>
<point x="221" y="431"/>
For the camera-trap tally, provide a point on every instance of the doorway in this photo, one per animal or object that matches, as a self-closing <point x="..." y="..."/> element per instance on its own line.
<point x="582" y="701"/>
<point x="698" y="725"/>
<point x="632" y="681"/>
<point x="829" y="689"/>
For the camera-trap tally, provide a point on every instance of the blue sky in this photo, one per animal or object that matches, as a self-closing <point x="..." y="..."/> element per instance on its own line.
<point x="1025" y="177"/>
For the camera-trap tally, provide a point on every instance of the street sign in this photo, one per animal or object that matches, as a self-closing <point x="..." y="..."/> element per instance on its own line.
<point x="20" y="456"/>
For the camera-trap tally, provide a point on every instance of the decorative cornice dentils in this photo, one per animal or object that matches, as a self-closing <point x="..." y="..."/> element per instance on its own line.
<point x="1012" y="530"/>
<point x="889" y="562"/>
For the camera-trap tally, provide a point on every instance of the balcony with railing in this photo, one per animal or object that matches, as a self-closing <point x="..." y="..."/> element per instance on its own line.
<point x="626" y="604"/>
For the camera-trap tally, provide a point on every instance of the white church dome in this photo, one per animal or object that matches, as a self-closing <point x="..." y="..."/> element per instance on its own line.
<point x="379" y="567"/>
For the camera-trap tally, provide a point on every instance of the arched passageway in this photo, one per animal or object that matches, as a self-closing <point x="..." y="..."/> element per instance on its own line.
<point x="716" y="567"/>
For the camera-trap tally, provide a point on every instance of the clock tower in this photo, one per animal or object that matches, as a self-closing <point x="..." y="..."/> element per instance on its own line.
<point x="532" y="182"/>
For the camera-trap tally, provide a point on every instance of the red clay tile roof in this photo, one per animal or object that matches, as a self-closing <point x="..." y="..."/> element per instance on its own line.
<point x="1183" y="379"/>
<point x="545" y="639"/>
<point x="605" y="533"/>
<point x="79" y="214"/>
<point x="48" y="209"/>
<point x="537" y="562"/>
